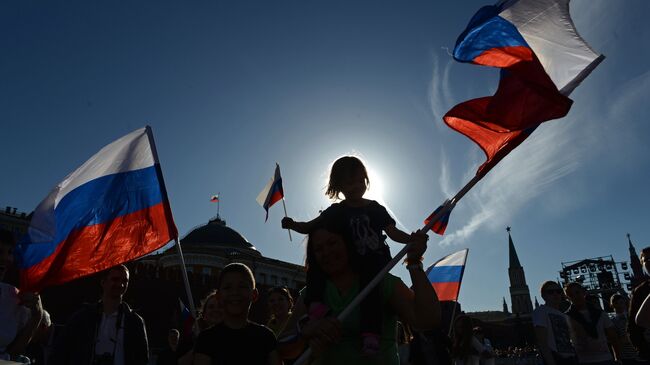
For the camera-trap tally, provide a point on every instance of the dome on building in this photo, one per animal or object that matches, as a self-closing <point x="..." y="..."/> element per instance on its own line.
<point x="216" y="234"/>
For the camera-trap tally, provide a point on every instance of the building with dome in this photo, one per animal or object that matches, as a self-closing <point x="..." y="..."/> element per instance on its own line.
<point x="210" y="247"/>
<point x="156" y="283"/>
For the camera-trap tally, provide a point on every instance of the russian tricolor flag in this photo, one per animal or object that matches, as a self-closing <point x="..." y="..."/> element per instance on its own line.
<point x="542" y="59"/>
<point x="272" y="192"/>
<point x="447" y="273"/>
<point x="112" y="209"/>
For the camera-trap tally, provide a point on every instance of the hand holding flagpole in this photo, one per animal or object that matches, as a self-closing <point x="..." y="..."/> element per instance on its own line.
<point x="286" y="216"/>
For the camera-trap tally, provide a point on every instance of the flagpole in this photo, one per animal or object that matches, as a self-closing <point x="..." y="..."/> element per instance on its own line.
<point x="379" y="277"/>
<point x="188" y="291"/>
<point x="285" y="214"/>
<point x="453" y="313"/>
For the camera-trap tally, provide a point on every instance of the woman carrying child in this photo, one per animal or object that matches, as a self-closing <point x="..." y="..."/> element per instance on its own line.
<point x="363" y="223"/>
<point x="333" y="259"/>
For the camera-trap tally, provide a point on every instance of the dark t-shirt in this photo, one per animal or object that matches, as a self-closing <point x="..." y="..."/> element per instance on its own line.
<point x="363" y="225"/>
<point x="249" y="345"/>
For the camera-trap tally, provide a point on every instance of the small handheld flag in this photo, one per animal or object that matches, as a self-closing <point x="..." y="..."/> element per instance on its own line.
<point x="112" y="209"/>
<point x="440" y="224"/>
<point x="187" y="320"/>
<point x="446" y="275"/>
<point x="272" y="192"/>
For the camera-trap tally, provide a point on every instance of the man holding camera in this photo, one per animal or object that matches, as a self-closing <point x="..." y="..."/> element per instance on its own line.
<point x="104" y="333"/>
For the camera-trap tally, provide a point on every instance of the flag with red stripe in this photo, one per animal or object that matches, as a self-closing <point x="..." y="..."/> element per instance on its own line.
<point x="446" y="275"/>
<point x="272" y="192"/>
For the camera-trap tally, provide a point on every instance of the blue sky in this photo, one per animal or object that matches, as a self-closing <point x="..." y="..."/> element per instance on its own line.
<point x="230" y="88"/>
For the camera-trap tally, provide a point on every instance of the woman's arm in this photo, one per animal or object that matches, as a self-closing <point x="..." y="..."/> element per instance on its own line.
<point x="419" y="307"/>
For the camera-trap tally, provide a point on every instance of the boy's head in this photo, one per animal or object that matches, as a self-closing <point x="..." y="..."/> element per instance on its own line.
<point x="236" y="290"/>
<point x="348" y="176"/>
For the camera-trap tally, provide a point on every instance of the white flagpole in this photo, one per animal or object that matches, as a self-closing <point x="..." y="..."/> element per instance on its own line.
<point x="285" y="214"/>
<point x="190" y="299"/>
<point x="186" y="281"/>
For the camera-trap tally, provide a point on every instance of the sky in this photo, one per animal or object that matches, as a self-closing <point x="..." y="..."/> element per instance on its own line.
<point x="232" y="87"/>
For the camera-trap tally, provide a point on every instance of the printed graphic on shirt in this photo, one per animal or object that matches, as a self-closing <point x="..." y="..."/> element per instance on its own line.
<point x="365" y="238"/>
<point x="560" y="329"/>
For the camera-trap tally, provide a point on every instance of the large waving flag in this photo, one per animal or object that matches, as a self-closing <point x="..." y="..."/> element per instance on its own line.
<point x="542" y="59"/>
<point x="272" y="192"/>
<point x="447" y="274"/>
<point x="112" y="209"/>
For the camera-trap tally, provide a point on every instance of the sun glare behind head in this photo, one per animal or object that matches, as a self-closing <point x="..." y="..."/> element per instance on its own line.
<point x="376" y="187"/>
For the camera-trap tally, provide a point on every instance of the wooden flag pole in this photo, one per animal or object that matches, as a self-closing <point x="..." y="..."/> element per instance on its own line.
<point x="380" y="276"/>
<point x="186" y="281"/>
<point x="285" y="214"/>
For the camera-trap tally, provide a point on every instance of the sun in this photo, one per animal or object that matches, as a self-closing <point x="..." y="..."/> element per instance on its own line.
<point x="376" y="187"/>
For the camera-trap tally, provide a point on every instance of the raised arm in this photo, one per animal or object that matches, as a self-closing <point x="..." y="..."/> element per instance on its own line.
<point x="419" y="307"/>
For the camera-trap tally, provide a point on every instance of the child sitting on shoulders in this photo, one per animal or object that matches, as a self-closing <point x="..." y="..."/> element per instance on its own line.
<point x="236" y="340"/>
<point x="364" y="223"/>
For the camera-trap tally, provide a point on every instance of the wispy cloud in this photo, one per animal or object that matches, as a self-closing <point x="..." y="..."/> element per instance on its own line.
<point x="547" y="156"/>
<point x="440" y="96"/>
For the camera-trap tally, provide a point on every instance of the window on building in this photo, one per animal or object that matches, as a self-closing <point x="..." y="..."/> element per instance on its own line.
<point x="262" y="279"/>
<point x="274" y="280"/>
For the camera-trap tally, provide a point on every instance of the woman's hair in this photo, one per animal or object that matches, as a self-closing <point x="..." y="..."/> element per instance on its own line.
<point x="201" y="322"/>
<point x="461" y="346"/>
<point x="342" y="169"/>
<point x="316" y="277"/>
<point x="204" y="301"/>
<point x="283" y="291"/>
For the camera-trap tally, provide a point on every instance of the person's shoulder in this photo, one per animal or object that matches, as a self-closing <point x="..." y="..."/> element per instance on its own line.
<point x="643" y="286"/>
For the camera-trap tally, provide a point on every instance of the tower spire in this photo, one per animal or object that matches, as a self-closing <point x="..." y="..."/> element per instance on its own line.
<point x="519" y="293"/>
<point x="514" y="259"/>
<point x="635" y="263"/>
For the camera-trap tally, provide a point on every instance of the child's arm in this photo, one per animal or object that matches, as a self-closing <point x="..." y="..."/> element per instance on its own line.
<point x="300" y="227"/>
<point x="400" y="236"/>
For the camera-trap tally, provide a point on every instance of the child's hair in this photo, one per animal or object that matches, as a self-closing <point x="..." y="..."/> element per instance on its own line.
<point x="342" y="169"/>
<point x="283" y="291"/>
<point x="236" y="267"/>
